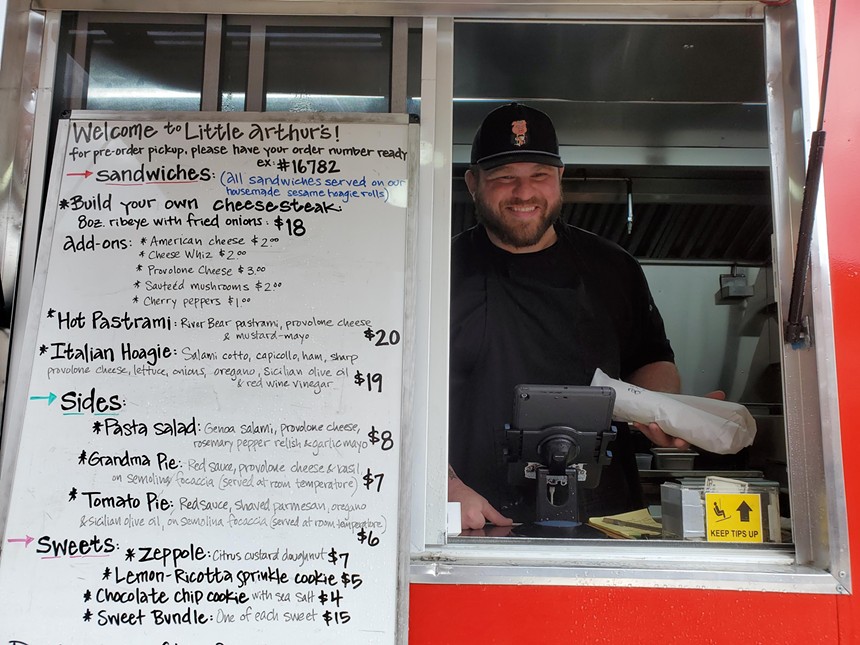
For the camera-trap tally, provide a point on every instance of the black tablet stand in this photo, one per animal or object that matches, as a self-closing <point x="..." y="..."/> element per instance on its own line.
<point x="566" y="459"/>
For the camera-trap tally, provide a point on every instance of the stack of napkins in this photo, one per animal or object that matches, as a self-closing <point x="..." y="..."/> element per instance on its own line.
<point x="630" y="526"/>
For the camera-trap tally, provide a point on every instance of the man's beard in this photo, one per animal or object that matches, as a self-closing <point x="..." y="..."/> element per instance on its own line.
<point x="517" y="234"/>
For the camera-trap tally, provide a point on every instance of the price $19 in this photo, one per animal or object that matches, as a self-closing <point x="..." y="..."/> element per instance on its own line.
<point x="369" y="379"/>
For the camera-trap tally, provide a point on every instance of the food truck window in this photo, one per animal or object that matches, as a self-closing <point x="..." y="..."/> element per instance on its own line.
<point x="304" y="64"/>
<point x="131" y="61"/>
<point x="665" y="149"/>
<point x="112" y="62"/>
<point x="669" y="152"/>
<point x="322" y="82"/>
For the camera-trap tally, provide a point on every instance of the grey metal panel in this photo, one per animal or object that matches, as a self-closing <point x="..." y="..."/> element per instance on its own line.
<point x="452" y="568"/>
<point x="412" y="285"/>
<point x="648" y="157"/>
<point x="21" y="96"/>
<point x="655" y="86"/>
<point x="399" y="45"/>
<point x="625" y="9"/>
<point x="178" y="115"/>
<point x="653" y="125"/>
<point x="79" y="63"/>
<point x="37" y="151"/>
<point x="289" y="20"/>
<point x="612" y="62"/>
<point x="430" y="418"/>
<point x="254" y="99"/>
<point x="18" y="93"/>
<point x="212" y="63"/>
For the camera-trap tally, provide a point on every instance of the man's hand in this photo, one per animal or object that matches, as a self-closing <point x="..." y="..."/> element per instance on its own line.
<point x="659" y="438"/>
<point x="475" y="510"/>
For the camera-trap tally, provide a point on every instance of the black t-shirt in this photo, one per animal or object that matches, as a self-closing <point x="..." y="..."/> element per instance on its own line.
<point x="549" y="317"/>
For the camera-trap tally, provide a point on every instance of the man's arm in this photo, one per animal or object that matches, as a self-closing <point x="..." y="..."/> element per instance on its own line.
<point x="661" y="376"/>
<point x="475" y="510"/>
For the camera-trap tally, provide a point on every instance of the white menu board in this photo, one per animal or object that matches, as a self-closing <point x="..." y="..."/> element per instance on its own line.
<point x="211" y="438"/>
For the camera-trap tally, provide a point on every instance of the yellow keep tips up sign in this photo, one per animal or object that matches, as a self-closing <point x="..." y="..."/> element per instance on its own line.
<point x="733" y="517"/>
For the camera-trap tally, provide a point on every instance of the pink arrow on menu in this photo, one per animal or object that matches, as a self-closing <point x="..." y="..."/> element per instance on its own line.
<point x="84" y="174"/>
<point x="25" y="540"/>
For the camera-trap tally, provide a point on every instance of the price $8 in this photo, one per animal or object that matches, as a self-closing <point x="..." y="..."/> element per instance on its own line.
<point x="384" y="439"/>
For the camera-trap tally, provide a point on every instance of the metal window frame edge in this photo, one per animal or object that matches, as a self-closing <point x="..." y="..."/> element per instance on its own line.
<point x="835" y="552"/>
<point x="440" y="9"/>
<point x="22" y="279"/>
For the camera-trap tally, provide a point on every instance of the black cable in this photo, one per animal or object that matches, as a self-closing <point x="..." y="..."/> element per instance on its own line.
<point x="794" y="329"/>
<point x="825" y="72"/>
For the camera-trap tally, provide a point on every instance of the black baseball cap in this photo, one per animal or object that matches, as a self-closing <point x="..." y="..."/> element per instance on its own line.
<point x="515" y="133"/>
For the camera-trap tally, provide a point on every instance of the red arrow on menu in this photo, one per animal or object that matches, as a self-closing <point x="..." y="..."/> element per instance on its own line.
<point x="25" y="540"/>
<point x="84" y="174"/>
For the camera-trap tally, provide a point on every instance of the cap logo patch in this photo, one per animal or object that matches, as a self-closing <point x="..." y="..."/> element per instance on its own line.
<point x="519" y="128"/>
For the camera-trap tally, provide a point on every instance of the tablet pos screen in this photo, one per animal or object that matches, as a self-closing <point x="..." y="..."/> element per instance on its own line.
<point x="582" y="407"/>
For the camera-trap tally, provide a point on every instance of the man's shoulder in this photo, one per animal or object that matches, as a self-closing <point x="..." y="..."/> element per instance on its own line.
<point x="469" y="246"/>
<point x="591" y="246"/>
<point x="467" y="238"/>
<point x="466" y="246"/>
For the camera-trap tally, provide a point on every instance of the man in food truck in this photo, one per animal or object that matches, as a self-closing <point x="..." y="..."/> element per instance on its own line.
<point x="537" y="301"/>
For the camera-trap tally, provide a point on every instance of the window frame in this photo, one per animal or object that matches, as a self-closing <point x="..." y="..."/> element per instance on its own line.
<point x="818" y="561"/>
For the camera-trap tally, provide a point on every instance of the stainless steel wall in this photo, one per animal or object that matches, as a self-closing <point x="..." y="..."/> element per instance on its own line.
<point x="18" y="83"/>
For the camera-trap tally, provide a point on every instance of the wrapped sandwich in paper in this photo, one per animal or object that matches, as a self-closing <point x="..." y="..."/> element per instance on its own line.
<point x="717" y="426"/>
